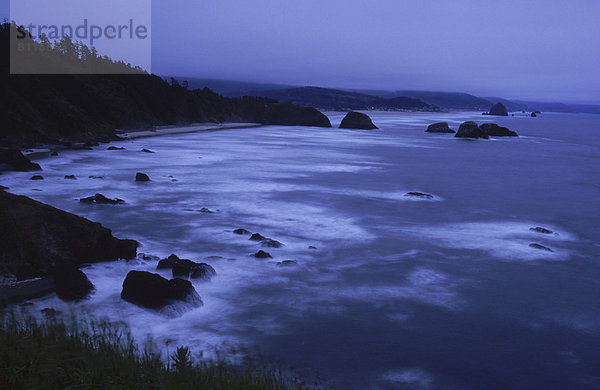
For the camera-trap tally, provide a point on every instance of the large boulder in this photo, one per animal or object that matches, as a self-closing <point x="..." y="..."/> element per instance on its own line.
<point x="470" y="129"/>
<point x="498" y="109"/>
<point x="14" y="159"/>
<point x="493" y="130"/>
<point x="141" y="177"/>
<point x="37" y="238"/>
<point x="357" y="120"/>
<point x="71" y="284"/>
<point x="152" y="291"/>
<point x="440" y="127"/>
<point x="287" y="114"/>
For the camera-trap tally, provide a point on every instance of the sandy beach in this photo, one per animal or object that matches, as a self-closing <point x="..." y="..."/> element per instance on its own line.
<point x="132" y="134"/>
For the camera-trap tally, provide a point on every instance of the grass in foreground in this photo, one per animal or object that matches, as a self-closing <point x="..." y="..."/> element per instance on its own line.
<point x="94" y="355"/>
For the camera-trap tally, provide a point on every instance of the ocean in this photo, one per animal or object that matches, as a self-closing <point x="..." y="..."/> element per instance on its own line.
<point x="389" y="291"/>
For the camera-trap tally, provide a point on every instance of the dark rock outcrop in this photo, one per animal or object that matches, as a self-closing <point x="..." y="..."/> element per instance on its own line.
<point x="206" y="211"/>
<point x="498" y="109"/>
<point x="101" y="199"/>
<point x="541" y="230"/>
<point x="152" y="291"/>
<point x="533" y="115"/>
<point x="70" y="177"/>
<point x="36" y="177"/>
<point x="493" y="130"/>
<point x="141" y="177"/>
<point x="17" y="161"/>
<point x="292" y="115"/>
<point x="470" y="129"/>
<point x="357" y="120"/>
<point x="37" y="238"/>
<point x="146" y="150"/>
<point x="241" y="231"/>
<point x="71" y="284"/>
<point x="115" y="148"/>
<point x="540" y="247"/>
<point x="440" y="127"/>
<point x="263" y="255"/>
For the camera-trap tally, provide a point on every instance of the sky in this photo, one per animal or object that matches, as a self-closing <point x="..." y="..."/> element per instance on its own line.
<point x="527" y="49"/>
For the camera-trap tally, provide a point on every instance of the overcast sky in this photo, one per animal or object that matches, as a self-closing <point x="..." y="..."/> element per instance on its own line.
<point x="536" y="49"/>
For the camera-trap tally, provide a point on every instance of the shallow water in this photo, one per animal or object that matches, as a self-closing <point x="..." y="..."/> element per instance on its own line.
<point x="399" y="293"/>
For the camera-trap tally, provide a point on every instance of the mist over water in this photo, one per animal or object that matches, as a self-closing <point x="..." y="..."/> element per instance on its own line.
<point x="399" y="293"/>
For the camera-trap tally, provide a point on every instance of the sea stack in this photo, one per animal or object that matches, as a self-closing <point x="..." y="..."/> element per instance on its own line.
<point x="498" y="109"/>
<point x="357" y="120"/>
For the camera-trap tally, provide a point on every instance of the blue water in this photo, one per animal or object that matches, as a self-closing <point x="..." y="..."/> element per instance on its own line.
<point x="400" y="293"/>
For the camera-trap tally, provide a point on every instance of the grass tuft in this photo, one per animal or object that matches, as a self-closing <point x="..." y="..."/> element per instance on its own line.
<point x="52" y="354"/>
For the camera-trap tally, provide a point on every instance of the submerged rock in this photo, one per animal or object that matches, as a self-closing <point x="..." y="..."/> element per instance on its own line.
<point x="440" y="127"/>
<point x="101" y="199"/>
<point x="206" y="211"/>
<point x="241" y="231"/>
<point x="146" y="150"/>
<point x="263" y="255"/>
<point x="492" y="129"/>
<point x="257" y="237"/>
<point x="421" y="195"/>
<point x="541" y="230"/>
<point x="287" y="263"/>
<point x="470" y="129"/>
<point x="269" y="243"/>
<point x="152" y="291"/>
<point x="115" y="148"/>
<point x="71" y="284"/>
<point x="141" y="177"/>
<point x="37" y="238"/>
<point x="541" y="247"/>
<point x="70" y="177"/>
<point x="533" y="115"/>
<point x="168" y="262"/>
<point x="498" y="109"/>
<point x="357" y="120"/>
<point x="202" y="271"/>
<point x="36" y="177"/>
<point x="17" y="161"/>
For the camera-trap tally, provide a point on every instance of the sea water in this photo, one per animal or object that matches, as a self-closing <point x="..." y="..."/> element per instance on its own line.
<point x="389" y="291"/>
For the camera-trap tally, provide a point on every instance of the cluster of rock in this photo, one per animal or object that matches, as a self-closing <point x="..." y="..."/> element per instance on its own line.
<point x="43" y="247"/>
<point x="265" y="242"/>
<point x="470" y="129"/>
<point x="357" y="120"/>
<point x="184" y="268"/>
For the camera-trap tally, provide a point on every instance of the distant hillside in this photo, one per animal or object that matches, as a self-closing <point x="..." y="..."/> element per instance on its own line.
<point x="82" y="107"/>
<point x="338" y="100"/>
<point x="231" y="88"/>
<point x="450" y="100"/>
<point x="561" y="107"/>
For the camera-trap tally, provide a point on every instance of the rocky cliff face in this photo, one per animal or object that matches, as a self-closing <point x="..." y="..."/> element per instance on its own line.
<point x="35" y="239"/>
